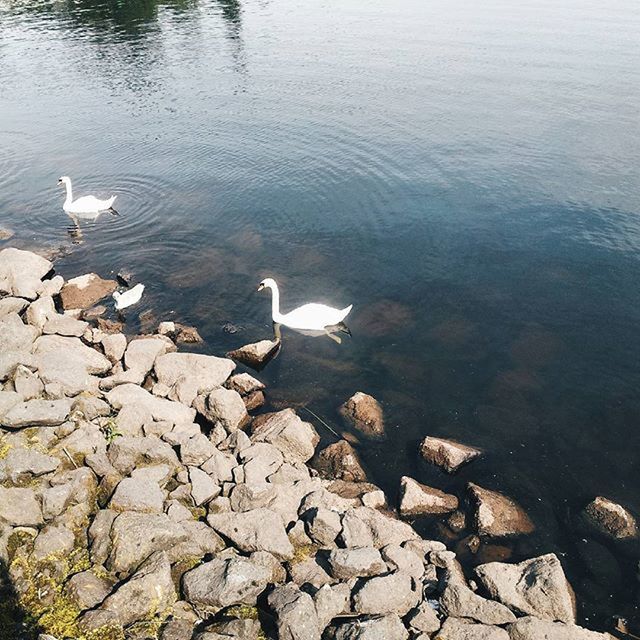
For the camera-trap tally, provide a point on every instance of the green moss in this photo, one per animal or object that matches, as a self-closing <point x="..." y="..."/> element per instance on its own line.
<point x="242" y="611"/>
<point x="198" y="512"/>
<point x="5" y="447"/>
<point x="301" y="552"/>
<point x="17" y="539"/>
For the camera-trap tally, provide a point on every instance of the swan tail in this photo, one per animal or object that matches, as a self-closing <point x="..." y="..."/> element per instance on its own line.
<point x="346" y="311"/>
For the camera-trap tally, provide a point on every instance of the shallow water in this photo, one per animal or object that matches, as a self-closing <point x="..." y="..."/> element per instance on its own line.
<point x="467" y="176"/>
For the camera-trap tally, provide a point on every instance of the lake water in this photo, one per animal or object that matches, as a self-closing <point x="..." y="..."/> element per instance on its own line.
<point x="466" y="174"/>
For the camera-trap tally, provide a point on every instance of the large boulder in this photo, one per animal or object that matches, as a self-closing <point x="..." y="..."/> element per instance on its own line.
<point x="20" y="507"/>
<point x="224" y="582"/>
<point x="356" y="563"/>
<point x="37" y="413"/>
<point x="496" y="515"/>
<point x="226" y="408"/>
<point x="21" y="273"/>
<point x="364" y="413"/>
<point x="295" y="613"/>
<point x="611" y="519"/>
<point x="84" y="291"/>
<point x="15" y="335"/>
<point x="392" y="593"/>
<point x="461" y="629"/>
<point x="257" y="354"/>
<point x="387" y="627"/>
<point x="418" y="499"/>
<point x="447" y="454"/>
<point x="536" y="587"/>
<point x="535" y="629"/>
<point x="159" y="408"/>
<point x="341" y="461"/>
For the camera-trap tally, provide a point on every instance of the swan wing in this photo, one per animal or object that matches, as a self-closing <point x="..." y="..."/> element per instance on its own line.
<point x="314" y="316"/>
<point x="90" y="204"/>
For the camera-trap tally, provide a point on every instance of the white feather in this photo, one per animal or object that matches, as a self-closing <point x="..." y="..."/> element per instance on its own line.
<point x="128" y="298"/>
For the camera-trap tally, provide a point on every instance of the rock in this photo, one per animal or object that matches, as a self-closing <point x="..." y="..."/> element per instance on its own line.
<point x="53" y="286"/>
<point x="323" y="526"/>
<point x="114" y="345"/>
<point x="460" y="629"/>
<point x="127" y="453"/>
<point x="418" y="499"/>
<point x="244" y="384"/>
<point x="86" y="589"/>
<point x="424" y="619"/>
<point x="534" y="629"/>
<point x="53" y="541"/>
<point x="257" y="354"/>
<point x="219" y="466"/>
<point x="187" y="335"/>
<point x="27" y="383"/>
<point x="611" y="519"/>
<point x="148" y="593"/>
<point x="203" y="487"/>
<point x="238" y="629"/>
<point x="374" y="628"/>
<point x="246" y="497"/>
<point x="224" y="582"/>
<point x="401" y="559"/>
<point x="458" y="600"/>
<point x="447" y="454"/>
<point x="37" y="413"/>
<point x="141" y="353"/>
<point x="190" y="374"/>
<point x="64" y="326"/>
<point x="197" y="450"/>
<point x="22" y="464"/>
<point x="6" y="234"/>
<point x="296" y="439"/>
<point x="364" y="413"/>
<point x="308" y="573"/>
<point x="331" y="601"/>
<point x="340" y="460"/>
<point x="9" y="360"/>
<point x="392" y="593"/>
<point x="8" y="399"/>
<point x="159" y="408"/>
<point x="85" y="291"/>
<point x="136" y="536"/>
<point x="201" y="540"/>
<point x="362" y="562"/>
<point x="93" y="313"/>
<point x="255" y="530"/>
<point x="295" y="613"/>
<point x="20" y="507"/>
<point x="496" y="515"/>
<point x="40" y="311"/>
<point x="21" y="273"/>
<point x="536" y="587"/>
<point x="12" y="305"/>
<point x="137" y="494"/>
<point x="365" y="527"/>
<point x="261" y="460"/>
<point x="15" y="335"/>
<point x="226" y="407"/>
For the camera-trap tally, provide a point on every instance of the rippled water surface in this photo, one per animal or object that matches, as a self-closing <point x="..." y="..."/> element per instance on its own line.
<point x="466" y="174"/>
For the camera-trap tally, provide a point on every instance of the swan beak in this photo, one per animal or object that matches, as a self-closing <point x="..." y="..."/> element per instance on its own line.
<point x="59" y="182"/>
<point x="260" y="287"/>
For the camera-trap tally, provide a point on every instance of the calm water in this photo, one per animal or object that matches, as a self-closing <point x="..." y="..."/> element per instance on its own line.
<point x="466" y="174"/>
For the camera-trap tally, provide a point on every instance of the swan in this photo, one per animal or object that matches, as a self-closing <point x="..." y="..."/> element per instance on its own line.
<point x="128" y="298"/>
<point x="310" y="317"/>
<point x="87" y="206"/>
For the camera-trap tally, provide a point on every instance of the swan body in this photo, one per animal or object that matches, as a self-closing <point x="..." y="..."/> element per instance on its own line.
<point x="128" y="298"/>
<point x="87" y="206"/>
<point x="310" y="317"/>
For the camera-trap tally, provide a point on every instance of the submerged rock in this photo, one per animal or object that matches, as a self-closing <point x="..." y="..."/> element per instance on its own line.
<point x="418" y="499"/>
<point x="85" y="291"/>
<point x="341" y="461"/>
<point x="257" y="354"/>
<point x="447" y="454"/>
<point x="364" y="413"/>
<point x="496" y="515"/>
<point x="611" y="519"/>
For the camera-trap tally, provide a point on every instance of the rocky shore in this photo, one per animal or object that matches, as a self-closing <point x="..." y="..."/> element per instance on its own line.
<point x="145" y="494"/>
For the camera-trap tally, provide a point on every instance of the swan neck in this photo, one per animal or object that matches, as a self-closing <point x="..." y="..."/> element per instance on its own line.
<point x="275" y="303"/>
<point x="69" y="199"/>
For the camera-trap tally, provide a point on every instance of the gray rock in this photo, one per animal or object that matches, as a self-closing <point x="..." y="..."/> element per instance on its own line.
<point x="261" y="460"/>
<point x="364" y="527"/>
<point x="127" y="453"/>
<point x="189" y="374"/>
<point x="447" y="454"/>
<point x="86" y="589"/>
<point x="536" y="587"/>
<point x="244" y="384"/>
<point x="20" y="507"/>
<point x="99" y="536"/>
<point x="224" y="582"/>
<point x="393" y="593"/>
<point x="141" y="353"/>
<point x="459" y="629"/>
<point x="56" y="499"/>
<point x="324" y="526"/>
<point x="331" y="601"/>
<point x="64" y="326"/>
<point x="149" y="592"/>
<point x="226" y="407"/>
<point x="137" y="494"/>
<point x="534" y="629"/>
<point x="256" y="530"/>
<point x="364" y="413"/>
<point x="135" y="536"/>
<point x="238" y="629"/>
<point x="8" y="400"/>
<point x="245" y="497"/>
<point x="295" y="613"/>
<point x="12" y="305"/>
<point x="160" y="409"/>
<point x="37" y="413"/>
<point x="270" y="562"/>
<point x="9" y="360"/>
<point x="401" y="559"/>
<point x="220" y="466"/>
<point x="15" y="335"/>
<point x="356" y="563"/>
<point x="21" y="464"/>
<point x="197" y="450"/>
<point x="40" y="311"/>
<point x="374" y="628"/>
<point x="296" y="439"/>
<point x="54" y="540"/>
<point x="27" y="383"/>
<point x="53" y="286"/>
<point x="85" y="291"/>
<point x="340" y="460"/>
<point x="201" y="540"/>
<point x="496" y="515"/>
<point x="418" y="499"/>
<point x="308" y="571"/>
<point x="21" y="273"/>
<point x="257" y="354"/>
<point x="610" y="519"/>
<point x="114" y="345"/>
<point x="424" y="619"/>
<point x="203" y="487"/>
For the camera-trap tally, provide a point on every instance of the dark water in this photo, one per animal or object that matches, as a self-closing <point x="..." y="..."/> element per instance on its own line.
<point x="466" y="174"/>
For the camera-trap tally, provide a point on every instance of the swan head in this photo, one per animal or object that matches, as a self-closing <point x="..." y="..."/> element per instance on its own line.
<point x="267" y="283"/>
<point x="65" y="180"/>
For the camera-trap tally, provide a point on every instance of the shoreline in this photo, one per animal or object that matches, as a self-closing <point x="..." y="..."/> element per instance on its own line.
<point x="143" y="495"/>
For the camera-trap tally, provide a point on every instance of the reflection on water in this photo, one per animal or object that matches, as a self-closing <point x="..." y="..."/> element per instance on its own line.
<point x="463" y="174"/>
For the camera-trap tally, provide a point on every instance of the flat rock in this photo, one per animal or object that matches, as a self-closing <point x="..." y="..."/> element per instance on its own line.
<point x="22" y="464"/>
<point x="496" y="515"/>
<point x="12" y="305"/>
<point x="257" y="354"/>
<point x="224" y="582"/>
<point x="388" y="627"/>
<point x="15" y="335"/>
<point x="392" y="593"/>
<point x="245" y="384"/>
<point x="137" y="494"/>
<point x="237" y="629"/>
<point x="20" y="507"/>
<point x="141" y="353"/>
<point x="85" y="291"/>
<point x="8" y="400"/>
<point x="203" y="487"/>
<point x="340" y="461"/>
<point x="536" y="587"/>
<point x="37" y="413"/>
<point x="295" y="613"/>
<point x="417" y="499"/>
<point x="86" y="589"/>
<point x="255" y="530"/>
<point x="365" y="527"/>
<point x="296" y="439"/>
<point x="447" y="454"/>
<point x="64" y="326"/>
<point x="126" y="453"/>
<point x="611" y="519"/>
<point x="534" y="629"/>
<point x="364" y="413"/>
<point x="159" y="408"/>
<point x="361" y="562"/>
<point x="21" y="273"/>
<point x="460" y="629"/>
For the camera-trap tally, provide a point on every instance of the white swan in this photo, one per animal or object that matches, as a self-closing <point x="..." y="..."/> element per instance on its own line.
<point x="128" y="298"/>
<point x="311" y="317"/>
<point x="87" y="206"/>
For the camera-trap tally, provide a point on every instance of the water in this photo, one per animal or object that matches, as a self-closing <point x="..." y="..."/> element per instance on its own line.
<point x="467" y="176"/>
